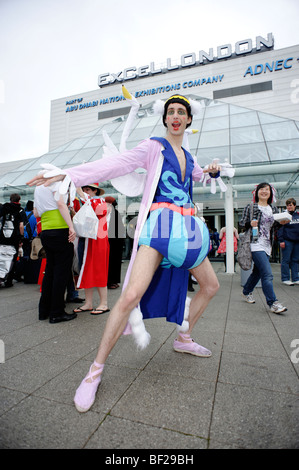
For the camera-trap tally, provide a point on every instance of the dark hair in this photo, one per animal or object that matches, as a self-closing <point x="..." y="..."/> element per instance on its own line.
<point x="181" y="100"/>
<point x="260" y="186"/>
<point x="291" y="200"/>
<point x="29" y="206"/>
<point x="15" y="197"/>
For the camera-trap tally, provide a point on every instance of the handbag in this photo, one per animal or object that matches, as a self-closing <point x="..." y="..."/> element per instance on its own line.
<point x="244" y="256"/>
<point x="37" y="249"/>
<point x="86" y="222"/>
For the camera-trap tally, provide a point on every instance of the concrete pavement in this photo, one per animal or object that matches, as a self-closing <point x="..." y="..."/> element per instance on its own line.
<point x="246" y="396"/>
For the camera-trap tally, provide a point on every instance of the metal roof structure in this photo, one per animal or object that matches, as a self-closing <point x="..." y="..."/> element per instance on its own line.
<point x="260" y="146"/>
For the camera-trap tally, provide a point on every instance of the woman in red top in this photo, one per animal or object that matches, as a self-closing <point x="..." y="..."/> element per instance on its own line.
<point x="94" y="269"/>
<point x="222" y="246"/>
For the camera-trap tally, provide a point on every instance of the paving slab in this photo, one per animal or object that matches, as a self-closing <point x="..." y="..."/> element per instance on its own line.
<point x="245" y="396"/>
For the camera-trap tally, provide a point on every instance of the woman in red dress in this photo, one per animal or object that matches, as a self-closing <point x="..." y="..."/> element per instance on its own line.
<point x="222" y="246"/>
<point x="95" y="263"/>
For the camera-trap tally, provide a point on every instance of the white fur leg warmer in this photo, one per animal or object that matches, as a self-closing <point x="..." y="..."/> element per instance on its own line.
<point x="141" y="336"/>
<point x="185" y="325"/>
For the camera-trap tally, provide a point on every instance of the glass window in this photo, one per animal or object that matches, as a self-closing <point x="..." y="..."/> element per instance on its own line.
<point x="249" y="153"/>
<point x="95" y="141"/>
<point x="60" y="148"/>
<point x="280" y="131"/>
<point x="78" y="143"/>
<point x="94" y="132"/>
<point x="216" y="109"/>
<point x="193" y="141"/>
<point x="244" y="119"/>
<point x="22" y="179"/>
<point x="284" y="150"/>
<point x="158" y="131"/>
<point x="245" y="135"/>
<point x="214" y="139"/>
<point x="63" y="158"/>
<point x="10" y="178"/>
<point x="84" y="155"/>
<point x="120" y="129"/>
<point x="111" y="127"/>
<point x="138" y="134"/>
<point x="200" y="115"/>
<point x="150" y="121"/>
<point x="268" y="118"/>
<point x="97" y="155"/>
<point x="27" y="165"/>
<point x="218" y="122"/>
<point x="206" y="156"/>
<point x="233" y="109"/>
<point x="46" y="158"/>
<point x="196" y="123"/>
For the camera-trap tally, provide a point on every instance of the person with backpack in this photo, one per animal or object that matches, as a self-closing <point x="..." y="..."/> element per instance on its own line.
<point x="12" y="220"/>
<point x="29" y="229"/>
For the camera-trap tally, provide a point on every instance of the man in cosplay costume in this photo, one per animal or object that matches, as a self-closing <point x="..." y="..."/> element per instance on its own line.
<point x="169" y="242"/>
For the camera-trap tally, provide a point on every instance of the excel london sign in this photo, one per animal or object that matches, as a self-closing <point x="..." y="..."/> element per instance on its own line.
<point x="188" y="60"/>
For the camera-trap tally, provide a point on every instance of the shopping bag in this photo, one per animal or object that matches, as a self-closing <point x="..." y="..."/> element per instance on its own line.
<point x="86" y="222"/>
<point x="244" y="256"/>
<point x="7" y="253"/>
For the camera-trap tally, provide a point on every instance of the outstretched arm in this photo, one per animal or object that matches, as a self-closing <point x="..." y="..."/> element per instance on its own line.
<point x="101" y="170"/>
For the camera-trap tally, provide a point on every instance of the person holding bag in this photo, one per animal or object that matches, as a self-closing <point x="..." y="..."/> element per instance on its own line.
<point x="259" y="214"/>
<point x="95" y="259"/>
<point x="57" y="238"/>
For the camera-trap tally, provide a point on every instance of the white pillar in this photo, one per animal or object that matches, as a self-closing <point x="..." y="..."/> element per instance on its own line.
<point x="229" y="223"/>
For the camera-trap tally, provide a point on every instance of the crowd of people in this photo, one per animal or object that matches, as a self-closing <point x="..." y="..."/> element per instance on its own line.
<point x="69" y="266"/>
<point x="170" y="244"/>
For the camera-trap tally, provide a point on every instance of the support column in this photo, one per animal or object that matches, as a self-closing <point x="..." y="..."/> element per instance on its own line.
<point x="229" y="223"/>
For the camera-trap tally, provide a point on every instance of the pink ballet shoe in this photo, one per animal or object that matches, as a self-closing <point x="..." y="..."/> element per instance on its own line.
<point x="86" y="392"/>
<point x="190" y="347"/>
<point x="127" y="330"/>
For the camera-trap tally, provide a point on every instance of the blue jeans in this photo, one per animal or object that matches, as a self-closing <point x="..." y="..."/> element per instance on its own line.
<point x="261" y="271"/>
<point x="290" y="260"/>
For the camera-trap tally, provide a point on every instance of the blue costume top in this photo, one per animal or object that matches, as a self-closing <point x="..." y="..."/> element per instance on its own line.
<point x="183" y="240"/>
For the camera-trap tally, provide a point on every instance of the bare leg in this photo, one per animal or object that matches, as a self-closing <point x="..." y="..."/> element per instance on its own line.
<point x="88" y="301"/>
<point x="146" y="262"/>
<point x="209" y="285"/>
<point x="102" y="291"/>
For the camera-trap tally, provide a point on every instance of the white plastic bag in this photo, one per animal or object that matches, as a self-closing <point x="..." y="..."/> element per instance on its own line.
<point x="86" y="222"/>
<point x="7" y="253"/>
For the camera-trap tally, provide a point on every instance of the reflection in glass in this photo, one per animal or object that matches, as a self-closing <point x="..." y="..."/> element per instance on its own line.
<point x="280" y="131"/>
<point x="249" y="153"/>
<point x="245" y="135"/>
<point x="214" y="139"/>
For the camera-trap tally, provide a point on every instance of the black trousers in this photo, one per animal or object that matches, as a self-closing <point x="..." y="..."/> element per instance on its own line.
<point x="59" y="253"/>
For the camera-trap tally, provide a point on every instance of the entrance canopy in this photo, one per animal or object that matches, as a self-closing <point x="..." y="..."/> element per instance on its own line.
<point x="260" y="146"/>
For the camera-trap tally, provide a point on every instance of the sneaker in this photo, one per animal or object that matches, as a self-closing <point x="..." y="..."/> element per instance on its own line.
<point x="296" y="283"/>
<point x="276" y="307"/>
<point x="249" y="298"/>
<point x="288" y="283"/>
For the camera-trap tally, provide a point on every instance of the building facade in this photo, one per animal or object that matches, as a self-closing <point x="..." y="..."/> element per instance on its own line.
<point x="250" y="73"/>
<point x="249" y="117"/>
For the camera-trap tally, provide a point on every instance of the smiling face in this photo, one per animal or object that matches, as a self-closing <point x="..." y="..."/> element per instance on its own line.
<point x="264" y="194"/>
<point x="177" y="119"/>
<point x="291" y="207"/>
